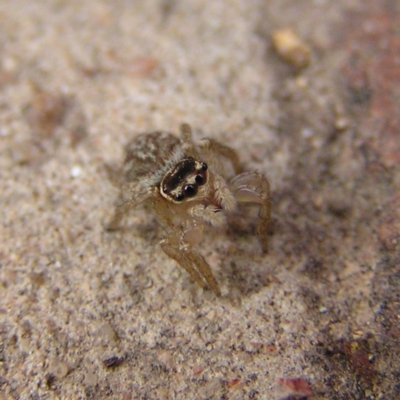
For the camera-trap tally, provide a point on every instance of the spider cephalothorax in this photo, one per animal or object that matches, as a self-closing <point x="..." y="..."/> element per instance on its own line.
<point x="183" y="183"/>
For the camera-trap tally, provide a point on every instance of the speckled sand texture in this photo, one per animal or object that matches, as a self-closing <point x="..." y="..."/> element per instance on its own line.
<point x="89" y="314"/>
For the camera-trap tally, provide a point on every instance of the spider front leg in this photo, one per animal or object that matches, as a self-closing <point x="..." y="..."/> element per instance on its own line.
<point x="252" y="187"/>
<point x="178" y="248"/>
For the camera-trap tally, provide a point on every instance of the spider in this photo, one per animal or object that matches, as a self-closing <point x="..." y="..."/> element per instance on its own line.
<point x="187" y="187"/>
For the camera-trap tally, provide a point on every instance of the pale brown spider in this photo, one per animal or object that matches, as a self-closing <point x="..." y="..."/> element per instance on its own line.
<point x="185" y="184"/>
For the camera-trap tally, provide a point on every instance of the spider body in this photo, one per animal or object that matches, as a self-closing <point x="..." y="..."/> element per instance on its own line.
<point x="184" y="183"/>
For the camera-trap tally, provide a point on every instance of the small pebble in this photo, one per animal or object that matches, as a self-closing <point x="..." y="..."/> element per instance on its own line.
<point x="291" y="48"/>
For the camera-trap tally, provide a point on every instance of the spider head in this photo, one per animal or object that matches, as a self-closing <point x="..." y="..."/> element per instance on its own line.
<point x="182" y="181"/>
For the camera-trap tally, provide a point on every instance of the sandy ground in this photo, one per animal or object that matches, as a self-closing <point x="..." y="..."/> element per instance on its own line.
<point x="88" y="314"/>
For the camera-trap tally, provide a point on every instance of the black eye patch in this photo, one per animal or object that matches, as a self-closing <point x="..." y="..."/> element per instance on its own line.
<point x="178" y="174"/>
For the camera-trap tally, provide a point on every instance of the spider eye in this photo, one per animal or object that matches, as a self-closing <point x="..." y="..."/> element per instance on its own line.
<point x="179" y="197"/>
<point x="200" y="180"/>
<point x="190" y="190"/>
<point x="204" y="166"/>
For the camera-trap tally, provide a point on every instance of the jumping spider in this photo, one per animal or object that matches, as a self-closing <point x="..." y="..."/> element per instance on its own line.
<point x="184" y="184"/>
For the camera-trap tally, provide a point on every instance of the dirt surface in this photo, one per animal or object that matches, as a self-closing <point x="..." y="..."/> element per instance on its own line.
<point x="88" y="314"/>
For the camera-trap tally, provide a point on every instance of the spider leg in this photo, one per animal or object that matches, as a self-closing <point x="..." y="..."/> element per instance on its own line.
<point x="187" y="141"/>
<point x="205" y="270"/>
<point x="218" y="149"/>
<point x="252" y="187"/>
<point x="119" y="212"/>
<point x="191" y="261"/>
<point x="183" y="261"/>
<point x="211" y="146"/>
<point x="223" y="195"/>
<point x="134" y="195"/>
